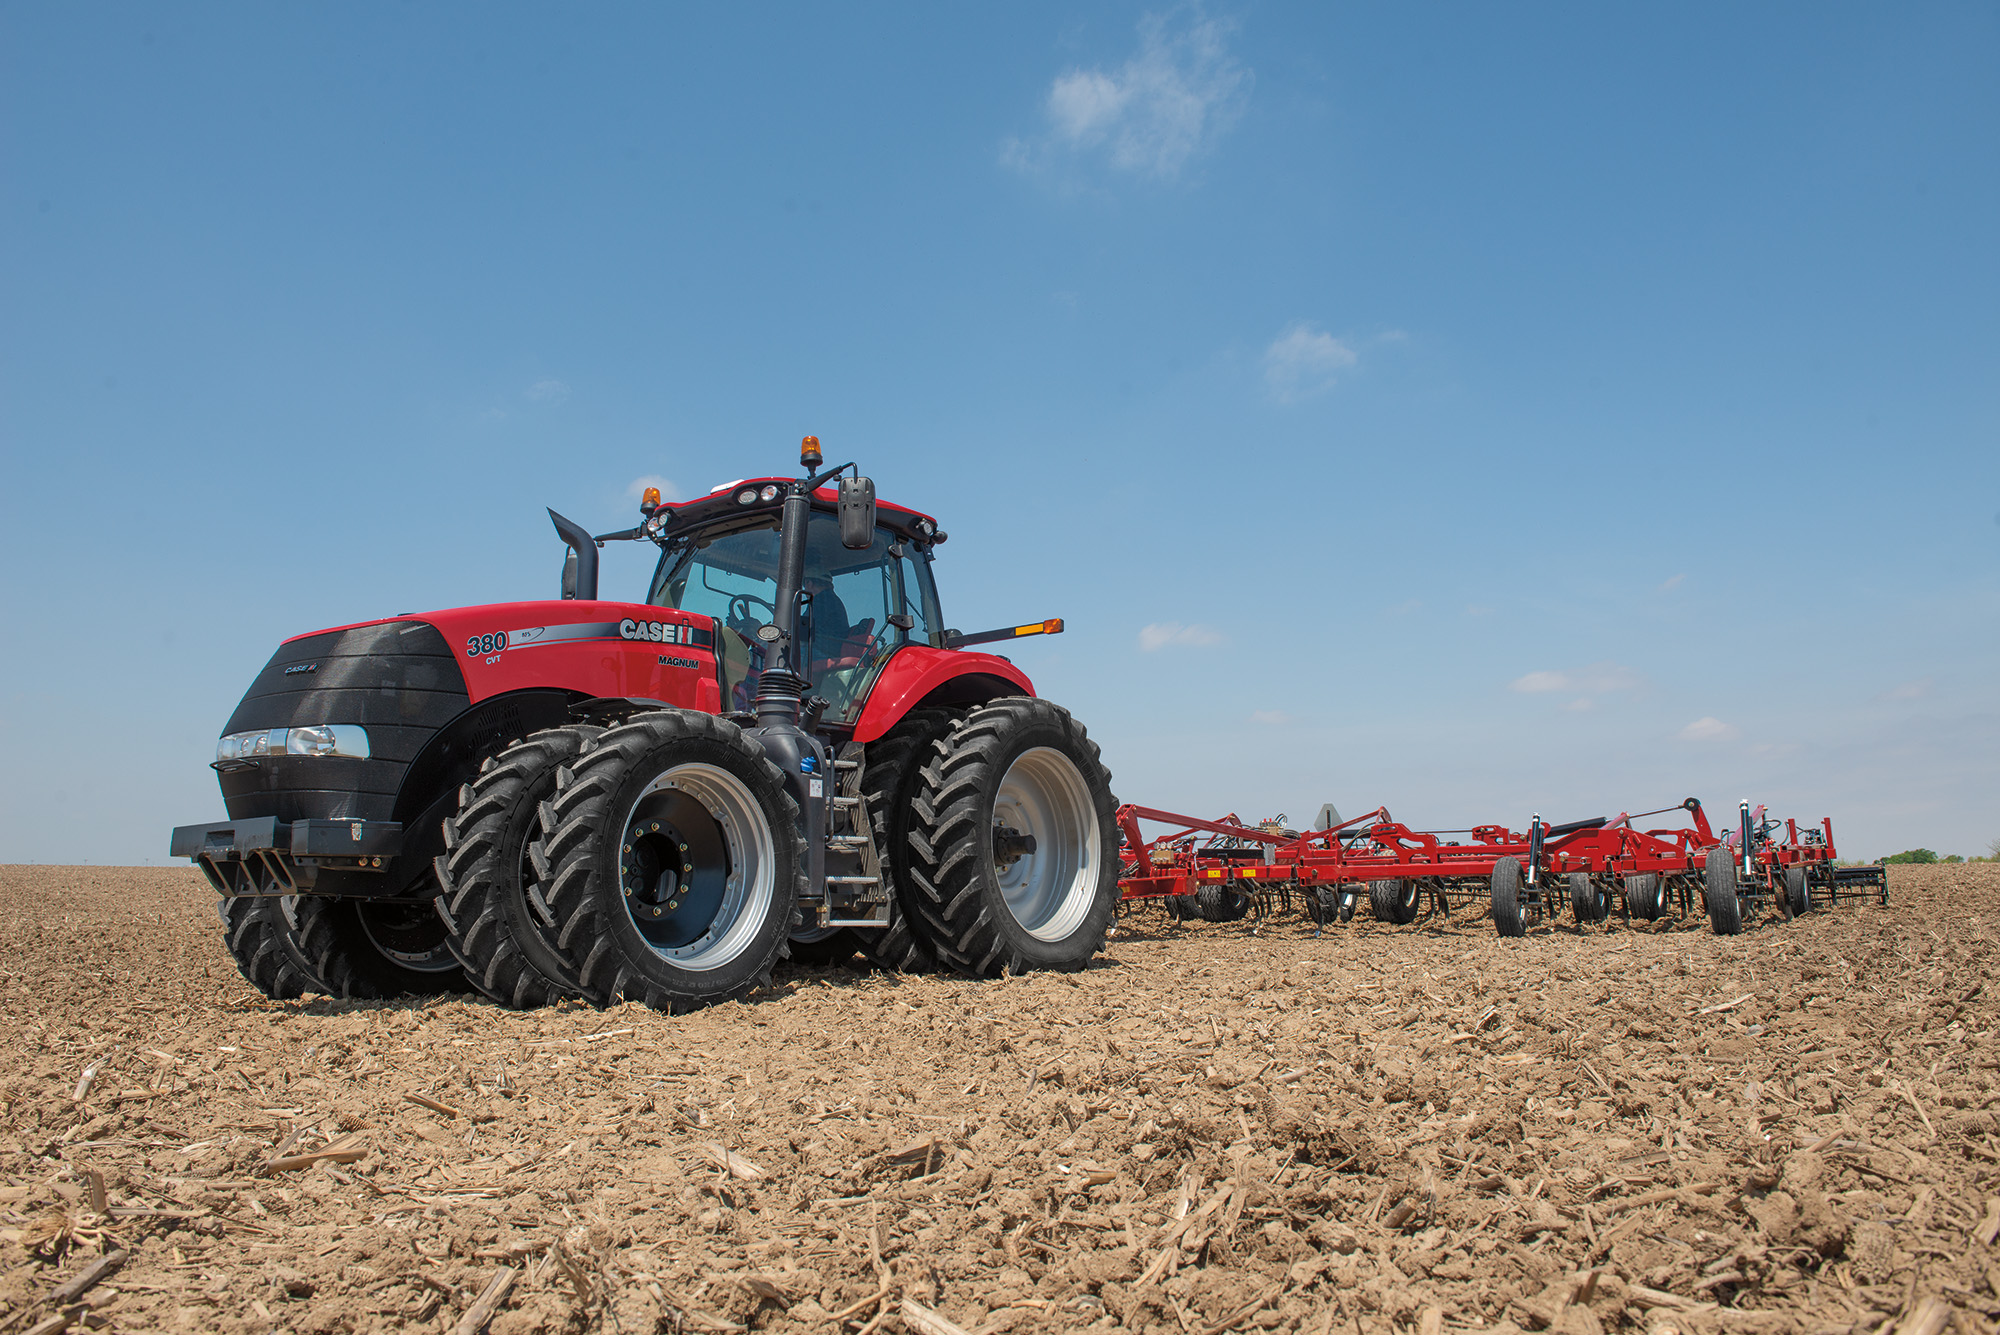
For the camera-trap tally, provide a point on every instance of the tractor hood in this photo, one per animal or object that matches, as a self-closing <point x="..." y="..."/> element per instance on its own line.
<point x="333" y="723"/>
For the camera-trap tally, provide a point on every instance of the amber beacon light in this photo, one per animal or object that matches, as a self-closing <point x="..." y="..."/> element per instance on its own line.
<point x="809" y="455"/>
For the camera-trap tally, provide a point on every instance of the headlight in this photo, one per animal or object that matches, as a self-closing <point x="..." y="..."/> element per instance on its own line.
<point x="347" y="740"/>
<point x="769" y="493"/>
<point x="747" y="496"/>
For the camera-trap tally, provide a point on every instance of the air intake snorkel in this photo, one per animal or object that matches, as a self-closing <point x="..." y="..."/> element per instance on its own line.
<point x="579" y="578"/>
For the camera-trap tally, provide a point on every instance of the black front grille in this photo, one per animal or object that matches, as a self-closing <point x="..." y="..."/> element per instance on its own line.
<point x="399" y="680"/>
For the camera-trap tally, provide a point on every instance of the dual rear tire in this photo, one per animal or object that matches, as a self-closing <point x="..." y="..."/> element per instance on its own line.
<point x="1012" y="848"/>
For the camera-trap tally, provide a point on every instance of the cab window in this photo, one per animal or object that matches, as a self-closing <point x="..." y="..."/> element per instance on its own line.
<point x="845" y="602"/>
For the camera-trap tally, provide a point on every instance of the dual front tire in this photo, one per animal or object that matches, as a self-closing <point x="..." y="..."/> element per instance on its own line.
<point x="676" y="863"/>
<point x="351" y="949"/>
<point x="495" y="876"/>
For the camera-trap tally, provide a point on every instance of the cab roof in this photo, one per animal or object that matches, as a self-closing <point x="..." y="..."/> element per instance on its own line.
<point x="721" y="501"/>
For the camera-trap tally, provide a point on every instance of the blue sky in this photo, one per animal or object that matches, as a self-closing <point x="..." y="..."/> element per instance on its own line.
<point x="1471" y="409"/>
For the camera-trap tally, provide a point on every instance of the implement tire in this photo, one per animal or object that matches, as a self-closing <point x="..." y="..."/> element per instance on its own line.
<point x="1798" y="891"/>
<point x="1507" y="919"/>
<point x="889" y="781"/>
<point x="261" y="943"/>
<point x="1023" y="765"/>
<point x="677" y="863"/>
<point x="1590" y="903"/>
<point x="494" y="902"/>
<point x="1395" y="901"/>
<point x="1718" y="887"/>
<point x="367" y="949"/>
<point x="1642" y="896"/>
<point x="1221" y="903"/>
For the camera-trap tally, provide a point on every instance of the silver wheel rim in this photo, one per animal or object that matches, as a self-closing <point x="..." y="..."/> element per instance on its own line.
<point x="1049" y="891"/>
<point x="716" y="807"/>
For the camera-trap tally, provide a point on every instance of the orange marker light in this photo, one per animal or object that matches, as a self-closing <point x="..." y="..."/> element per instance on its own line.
<point x="1053" y="626"/>
<point x="809" y="455"/>
<point x="650" y="501"/>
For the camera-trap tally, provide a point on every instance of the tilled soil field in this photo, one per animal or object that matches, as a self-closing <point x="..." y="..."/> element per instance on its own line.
<point x="1385" y="1129"/>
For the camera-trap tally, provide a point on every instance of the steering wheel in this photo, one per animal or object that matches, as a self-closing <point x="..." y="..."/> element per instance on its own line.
<point x="736" y="617"/>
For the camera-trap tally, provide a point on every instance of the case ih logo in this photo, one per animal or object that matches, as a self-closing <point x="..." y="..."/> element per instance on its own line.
<point x="657" y="632"/>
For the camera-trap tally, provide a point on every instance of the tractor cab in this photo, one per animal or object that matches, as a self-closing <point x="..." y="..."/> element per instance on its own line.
<point x="856" y="606"/>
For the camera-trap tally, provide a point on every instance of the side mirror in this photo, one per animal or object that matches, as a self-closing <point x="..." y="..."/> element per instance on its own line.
<point x="857" y="513"/>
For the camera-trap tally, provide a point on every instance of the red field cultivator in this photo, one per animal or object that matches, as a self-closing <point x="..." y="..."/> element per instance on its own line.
<point x="1223" y="870"/>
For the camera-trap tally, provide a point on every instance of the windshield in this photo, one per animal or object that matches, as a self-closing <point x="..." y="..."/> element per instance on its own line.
<point x="845" y="605"/>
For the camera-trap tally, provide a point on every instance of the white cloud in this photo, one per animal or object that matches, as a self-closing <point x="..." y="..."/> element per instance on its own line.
<point x="1597" y="679"/>
<point x="547" y="391"/>
<point x="637" y="487"/>
<point x="1163" y="633"/>
<point x="1910" y="690"/>
<point x="1273" y="717"/>
<point x="1302" y="361"/>
<point x="1148" y="117"/>
<point x="1672" y="582"/>
<point x="1710" y="730"/>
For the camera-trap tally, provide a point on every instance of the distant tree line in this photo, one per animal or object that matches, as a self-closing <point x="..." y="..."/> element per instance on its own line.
<point x="1924" y="856"/>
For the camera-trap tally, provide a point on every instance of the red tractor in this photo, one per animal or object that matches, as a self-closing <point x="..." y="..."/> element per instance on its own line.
<point x="779" y="750"/>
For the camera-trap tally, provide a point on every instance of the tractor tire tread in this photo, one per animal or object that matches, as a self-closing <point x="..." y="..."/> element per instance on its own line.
<point x="261" y="943"/>
<point x="476" y="905"/>
<point x="947" y="902"/>
<point x="891" y="780"/>
<point x="604" y="976"/>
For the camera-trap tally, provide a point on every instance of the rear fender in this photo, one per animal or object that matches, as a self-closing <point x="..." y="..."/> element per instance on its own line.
<point x="920" y="675"/>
